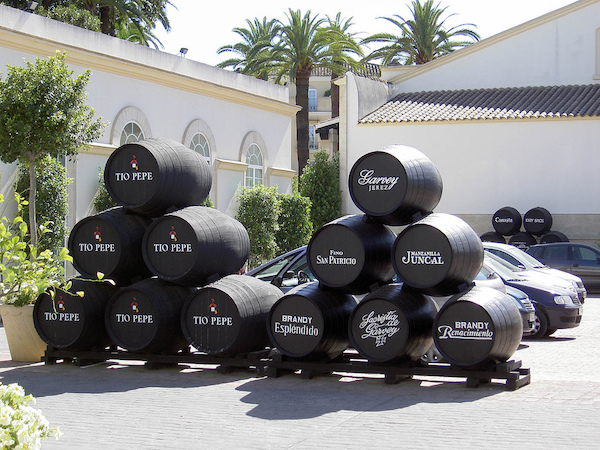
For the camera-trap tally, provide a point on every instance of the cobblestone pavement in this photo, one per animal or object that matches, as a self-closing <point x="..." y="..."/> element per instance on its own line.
<point x="126" y="406"/>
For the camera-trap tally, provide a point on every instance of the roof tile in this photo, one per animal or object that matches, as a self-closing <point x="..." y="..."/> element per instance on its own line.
<point x="486" y="104"/>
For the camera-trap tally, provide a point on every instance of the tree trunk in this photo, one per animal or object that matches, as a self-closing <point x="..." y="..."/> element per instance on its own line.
<point x="302" y="119"/>
<point x="335" y="99"/>
<point x="32" y="193"/>
<point x="105" y="25"/>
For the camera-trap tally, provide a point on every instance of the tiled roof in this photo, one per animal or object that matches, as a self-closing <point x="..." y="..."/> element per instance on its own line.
<point x="485" y="104"/>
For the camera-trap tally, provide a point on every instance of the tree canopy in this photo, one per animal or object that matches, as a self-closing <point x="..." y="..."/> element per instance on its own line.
<point x="422" y="38"/>
<point x="43" y="111"/>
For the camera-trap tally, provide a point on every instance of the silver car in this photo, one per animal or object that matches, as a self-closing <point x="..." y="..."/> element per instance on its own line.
<point x="519" y="258"/>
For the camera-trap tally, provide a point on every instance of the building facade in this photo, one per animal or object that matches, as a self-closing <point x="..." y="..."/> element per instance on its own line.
<point x="241" y="125"/>
<point x="513" y="120"/>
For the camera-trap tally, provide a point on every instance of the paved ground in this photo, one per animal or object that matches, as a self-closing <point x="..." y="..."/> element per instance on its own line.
<point x="126" y="406"/>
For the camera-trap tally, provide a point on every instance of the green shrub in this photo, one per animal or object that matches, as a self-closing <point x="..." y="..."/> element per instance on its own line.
<point x="320" y="183"/>
<point x="295" y="228"/>
<point x="102" y="199"/>
<point x="258" y="211"/>
<point x="51" y="201"/>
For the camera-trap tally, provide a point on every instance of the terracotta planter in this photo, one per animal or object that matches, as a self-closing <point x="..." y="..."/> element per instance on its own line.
<point x="24" y="343"/>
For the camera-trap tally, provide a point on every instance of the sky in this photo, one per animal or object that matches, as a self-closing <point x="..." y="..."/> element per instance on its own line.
<point x="203" y="26"/>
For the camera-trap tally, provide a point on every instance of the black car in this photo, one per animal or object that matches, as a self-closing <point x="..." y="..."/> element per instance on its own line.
<point x="554" y="307"/>
<point x="579" y="259"/>
<point x="291" y="269"/>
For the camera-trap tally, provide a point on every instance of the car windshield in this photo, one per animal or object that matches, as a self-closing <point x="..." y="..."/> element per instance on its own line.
<point x="530" y="260"/>
<point x="271" y="271"/>
<point x="501" y="267"/>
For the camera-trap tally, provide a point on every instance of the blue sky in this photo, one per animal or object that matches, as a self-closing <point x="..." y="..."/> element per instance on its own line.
<point x="203" y="26"/>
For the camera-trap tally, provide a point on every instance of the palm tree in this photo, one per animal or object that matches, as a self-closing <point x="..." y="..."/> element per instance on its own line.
<point x="423" y="37"/>
<point x="254" y="52"/>
<point x="306" y="44"/>
<point x="351" y="47"/>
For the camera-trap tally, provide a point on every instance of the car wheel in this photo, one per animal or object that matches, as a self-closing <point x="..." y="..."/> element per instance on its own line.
<point x="540" y="325"/>
<point x="550" y="331"/>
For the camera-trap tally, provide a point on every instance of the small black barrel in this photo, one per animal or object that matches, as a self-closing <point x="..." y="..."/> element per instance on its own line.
<point x="352" y="253"/>
<point x="145" y="317"/>
<point x="479" y="326"/>
<point x="311" y="323"/>
<point x="537" y="221"/>
<point x="392" y="324"/>
<point x="522" y="240"/>
<point x="155" y="175"/>
<point x="394" y="184"/>
<point x="195" y="244"/>
<point x="507" y="221"/>
<point x="229" y="317"/>
<point x="553" y="236"/>
<point x="69" y="321"/>
<point x="111" y="243"/>
<point x="492" y="236"/>
<point x="440" y="255"/>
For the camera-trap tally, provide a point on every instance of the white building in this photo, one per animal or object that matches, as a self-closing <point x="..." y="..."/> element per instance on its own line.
<point x="513" y="120"/>
<point x="241" y="124"/>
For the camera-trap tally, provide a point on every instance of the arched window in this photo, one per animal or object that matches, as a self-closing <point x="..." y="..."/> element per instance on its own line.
<point x="254" y="172"/>
<point x="131" y="132"/>
<point x="129" y="125"/>
<point x="200" y="144"/>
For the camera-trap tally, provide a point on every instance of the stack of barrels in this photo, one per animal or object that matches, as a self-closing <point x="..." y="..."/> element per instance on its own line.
<point x="435" y="255"/>
<point x="173" y="264"/>
<point x="537" y="224"/>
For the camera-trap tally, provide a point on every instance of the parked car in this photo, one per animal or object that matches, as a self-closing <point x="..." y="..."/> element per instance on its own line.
<point x="285" y="271"/>
<point x="518" y="257"/>
<point x="555" y="307"/>
<point x="291" y="269"/>
<point x="579" y="259"/>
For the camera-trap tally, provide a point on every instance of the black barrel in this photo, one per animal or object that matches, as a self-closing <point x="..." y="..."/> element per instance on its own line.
<point x="440" y="255"/>
<point x="195" y="244"/>
<point x="522" y="240"/>
<point x="145" y="317"/>
<point x="229" y="317"/>
<point x="394" y="184"/>
<point x="311" y="323"/>
<point x="111" y="243"/>
<point x="507" y="221"/>
<point x="479" y="326"/>
<point x="352" y="253"/>
<point x="492" y="236"/>
<point x="537" y="221"/>
<point x="553" y="236"/>
<point x="155" y="175"/>
<point x="68" y="321"/>
<point x="392" y="323"/>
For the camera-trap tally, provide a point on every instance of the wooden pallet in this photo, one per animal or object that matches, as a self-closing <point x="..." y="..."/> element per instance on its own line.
<point x="254" y="360"/>
<point x="273" y="364"/>
<point x="510" y="373"/>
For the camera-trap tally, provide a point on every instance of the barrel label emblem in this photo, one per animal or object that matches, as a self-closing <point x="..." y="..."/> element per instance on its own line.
<point x="136" y="175"/>
<point x="376" y="183"/>
<point x="175" y="246"/>
<point x="534" y="220"/>
<point x="295" y="325"/>
<point x="135" y="317"/>
<point x="477" y="330"/>
<point x="379" y="326"/>
<point x="60" y="314"/>
<point x="213" y="319"/>
<point x="427" y="258"/>
<point x="335" y="257"/>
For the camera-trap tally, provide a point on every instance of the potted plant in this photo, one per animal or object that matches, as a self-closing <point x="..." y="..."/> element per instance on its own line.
<point x="25" y="273"/>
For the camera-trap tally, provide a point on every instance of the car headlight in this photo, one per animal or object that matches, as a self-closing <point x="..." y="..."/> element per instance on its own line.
<point x="563" y="300"/>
